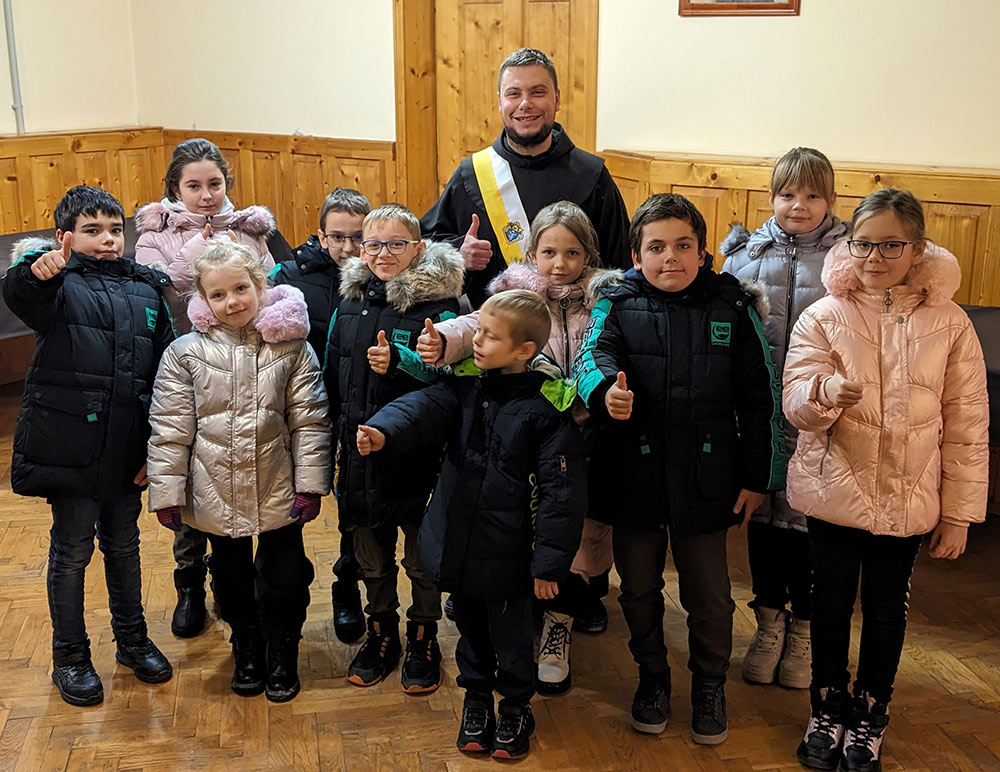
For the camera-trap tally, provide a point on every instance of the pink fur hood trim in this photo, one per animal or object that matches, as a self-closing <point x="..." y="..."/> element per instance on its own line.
<point x="283" y="314"/>
<point x="588" y="286"/>
<point x="938" y="273"/>
<point x="157" y="216"/>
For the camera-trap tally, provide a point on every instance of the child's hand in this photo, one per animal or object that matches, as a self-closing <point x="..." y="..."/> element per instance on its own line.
<point x="430" y="345"/>
<point x="141" y="478"/>
<point x="305" y="507"/>
<point x="232" y="236"/>
<point x="546" y="590"/>
<point x="207" y="231"/>
<point x="170" y="517"/>
<point x="748" y="501"/>
<point x="618" y="399"/>
<point x="370" y="440"/>
<point x="840" y="391"/>
<point x="51" y="263"/>
<point x="379" y="355"/>
<point x="475" y="251"/>
<point x="948" y="541"/>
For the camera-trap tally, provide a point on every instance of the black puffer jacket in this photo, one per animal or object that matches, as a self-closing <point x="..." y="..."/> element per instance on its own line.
<point x="313" y="271"/>
<point x="510" y="501"/>
<point x="100" y="328"/>
<point x="705" y="416"/>
<point x="371" y="491"/>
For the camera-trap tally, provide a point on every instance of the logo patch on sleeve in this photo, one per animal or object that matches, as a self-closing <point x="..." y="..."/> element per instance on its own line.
<point x="151" y="314"/>
<point x="722" y="333"/>
<point x="402" y="337"/>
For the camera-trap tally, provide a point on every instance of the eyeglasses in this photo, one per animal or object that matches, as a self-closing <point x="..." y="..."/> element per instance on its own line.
<point x="395" y="246"/>
<point x="890" y="250"/>
<point x="338" y="239"/>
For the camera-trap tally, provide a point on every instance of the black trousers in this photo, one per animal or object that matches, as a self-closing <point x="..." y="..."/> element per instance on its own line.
<point x="705" y="594"/>
<point x="840" y="557"/>
<point x="497" y="647"/>
<point x="779" y="568"/>
<point x="271" y="588"/>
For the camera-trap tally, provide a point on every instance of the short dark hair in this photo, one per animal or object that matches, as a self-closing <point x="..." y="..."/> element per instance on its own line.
<point x="191" y="151"/>
<point x="346" y="200"/>
<point x="666" y="206"/>
<point x="84" y="199"/>
<point x="528" y="57"/>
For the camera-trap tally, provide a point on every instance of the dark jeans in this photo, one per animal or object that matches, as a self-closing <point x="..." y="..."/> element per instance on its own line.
<point x="840" y="556"/>
<point x="190" y="546"/>
<point x="375" y="551"/>
<point x="346" y="568"/>
<point x="705" y="594"/>
<point x="497" y="647"/>
<point x="75" y="522"/>
<point x="779" y="568"/>
<point x="278" y="577"/>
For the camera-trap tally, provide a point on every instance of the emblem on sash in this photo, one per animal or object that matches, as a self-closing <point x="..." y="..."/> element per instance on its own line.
<point x="512" y="231"/>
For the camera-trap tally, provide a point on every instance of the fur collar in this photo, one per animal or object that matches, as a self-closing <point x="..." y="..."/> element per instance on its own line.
<point x="254" y="220"/>
<point x="938" y="274"/>
<point x="31" y="244"/>
<point x="437" y="275"/>
<point x="590" y="283"/>
<point x="283" y="314"/>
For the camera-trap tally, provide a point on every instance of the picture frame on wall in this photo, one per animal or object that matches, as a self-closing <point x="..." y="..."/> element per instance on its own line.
<point x="738" y="8"/>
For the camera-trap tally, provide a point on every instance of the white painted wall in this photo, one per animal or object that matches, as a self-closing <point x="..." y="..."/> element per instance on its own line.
<point x="897" y="81"/>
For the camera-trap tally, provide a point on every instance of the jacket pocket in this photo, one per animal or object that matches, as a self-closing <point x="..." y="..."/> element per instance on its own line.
<point x="715" y="456"/>
<point x="64" y="426"/>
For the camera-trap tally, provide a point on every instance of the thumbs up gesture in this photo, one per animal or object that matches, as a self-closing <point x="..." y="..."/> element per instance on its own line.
<point x="475" y="251"/>
<point x="618" y="399"/>
<point x="839" y="389"/>
<point x="430" y="344"/>
<point x="380" y="355"/>
<point x="370" y="440"/>
<point x="51" y="263"/>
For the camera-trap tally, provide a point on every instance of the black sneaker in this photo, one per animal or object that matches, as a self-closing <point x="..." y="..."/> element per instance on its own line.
<point x="515" y="726"/>
<point x="248" y="653"/>
<point x="348" y="620"/>
<point x="421" y="671"/>
<point x="74" y="675"/>
<point x="449" y="608"/>
<point x="478" y="723"/>
<point x="378" y="655"/>
<point x="147" y="661"/>
<point x="865" y="730"/>
<point x="820" y="746"/>
<point x="651" y="703"/>
<point x="282" y="665"/>
<point x="708" y="710"/>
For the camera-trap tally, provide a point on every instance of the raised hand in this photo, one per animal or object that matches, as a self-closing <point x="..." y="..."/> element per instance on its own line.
<point x="51" y="263"/>
<point x="430" y="344"/>
<point x="839" y="389"/>
<point x="618" y="399"/>
<point x="475" y="251"/>
<point x="370" y="440"/>
<point x="380" y="355"/>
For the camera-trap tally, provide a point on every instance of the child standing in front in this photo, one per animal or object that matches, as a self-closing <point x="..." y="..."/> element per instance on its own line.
<point x="505" y="518"/>
<point x="100" y="327"/>
<point x="386" y="294"/>
<point x="786" y="254"/>
<point x="676" y="374"/>
<point x="885" y="381"/>
<point x="194" y="213"/>
<point x="241" y="448"/>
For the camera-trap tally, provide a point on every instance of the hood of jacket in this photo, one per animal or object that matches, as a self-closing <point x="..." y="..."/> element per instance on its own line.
<point x="438" y="274"/>
<point x="31" y="244"/>
<point x="589" y="286"/>
<point x="937" y="275"/>
<point x="770" y="234"/>
<point x="254" y="220"/>
<point x="283" y="314"/>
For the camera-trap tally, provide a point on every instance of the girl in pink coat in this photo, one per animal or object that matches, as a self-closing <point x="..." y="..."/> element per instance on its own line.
<point x="886" y="382"/>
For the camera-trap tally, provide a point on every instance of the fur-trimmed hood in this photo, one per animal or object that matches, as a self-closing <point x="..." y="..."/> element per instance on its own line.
<point x="938" y="274"/>
<point x="756" y="291"/>
<point x="255" y="221"/>
<point x="438" y="274"/>
<point x="282" y="316"/>
<point x="770" y="235"/>
<point x="31" y="244"/>
<point x="589" y="285"/>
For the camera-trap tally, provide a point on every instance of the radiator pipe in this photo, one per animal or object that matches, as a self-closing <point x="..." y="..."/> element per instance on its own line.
<point x="15" y="77"/>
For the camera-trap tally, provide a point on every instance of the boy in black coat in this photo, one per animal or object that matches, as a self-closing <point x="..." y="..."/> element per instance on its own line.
<point x="677" y="375"/>
<point x="505" y="519"/>
<point x="100" y="327"/>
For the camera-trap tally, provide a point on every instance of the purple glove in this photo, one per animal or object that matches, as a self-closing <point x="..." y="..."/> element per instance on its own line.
<point x="170" y="517"/>
<point x="305" y="507"/>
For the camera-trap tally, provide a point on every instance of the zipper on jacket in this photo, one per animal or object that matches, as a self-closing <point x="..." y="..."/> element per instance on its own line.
<point x="564" y="305"/>
<point x="829" y="436"/>
<point x="790" y="291"/>
<point x="888" y="299"/>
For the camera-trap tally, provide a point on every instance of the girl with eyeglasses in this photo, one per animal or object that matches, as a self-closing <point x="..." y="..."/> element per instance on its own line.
<point x="886" y="382"/>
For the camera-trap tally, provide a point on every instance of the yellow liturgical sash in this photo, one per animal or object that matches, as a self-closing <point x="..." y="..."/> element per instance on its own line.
<point x="503" y="204"/>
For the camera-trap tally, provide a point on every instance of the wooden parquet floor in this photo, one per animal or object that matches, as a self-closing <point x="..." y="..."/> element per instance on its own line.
<point x="946" y="715"/>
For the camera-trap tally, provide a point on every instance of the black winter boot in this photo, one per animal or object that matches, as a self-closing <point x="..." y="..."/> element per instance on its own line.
<point x="189" y="615"/>
<point x="74" y="675"/>
<point x="820" y="746"/>
<point x="422" y="664"/>
<point x="282" y="664"/>
<point x="137" y="652"/>
<point x="348" y="620"/>
<point x="379" y="654"/>
<point x="864" y="734"/>
<point x="248" y="652"/>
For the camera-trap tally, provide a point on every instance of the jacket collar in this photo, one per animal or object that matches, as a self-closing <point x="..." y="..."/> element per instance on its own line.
<point x="936" y="278"/>
<point x="770" y="233"/>
<point x="283" y="315"/>
<point x="159" y="215"/>
<point x="310" y="257"/>
<point x="588" y="287"/>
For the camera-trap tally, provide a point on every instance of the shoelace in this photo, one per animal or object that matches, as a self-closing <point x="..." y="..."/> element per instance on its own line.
<point x="419" y="650"/>
<point x="710" y="703"/>
<point x="765" y="642"/>
<point x="798" y="645"/>
<point x="141" y="646"/>
<point x="508" y="726"/>
<point x="475" y="719"/>
<point x="825" y="724"/>
<point x="867" y="735"/>
<point x="557" y="639"/>
<point x="647" y="694"/>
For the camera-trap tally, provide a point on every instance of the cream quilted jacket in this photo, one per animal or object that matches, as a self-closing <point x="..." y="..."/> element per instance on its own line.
<point x="239" y="420"/>
<point x="913" y="451"/>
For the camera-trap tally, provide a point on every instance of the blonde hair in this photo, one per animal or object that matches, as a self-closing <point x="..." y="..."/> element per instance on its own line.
<point x="573" y="219"/>
<point x="229" y="255"/>
<point x="804" y="167"/>
<point x="901" y="203"/>
<point x="393" y="213"/>
<point x="527" y="314"/>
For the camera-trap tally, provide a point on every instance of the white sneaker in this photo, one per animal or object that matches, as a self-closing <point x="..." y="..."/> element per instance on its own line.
<point x="760" y="664"/>
<point x="553" y="653"/>
<point x="796" y="663"/>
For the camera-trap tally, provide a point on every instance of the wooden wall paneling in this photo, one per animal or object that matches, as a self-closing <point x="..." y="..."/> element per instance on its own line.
<point x="306" y="196"/>
<point x="987" y="277"/>
<point x="719" y="207"/>
<point x="10" y="209"/>
<point x="961" y="230"/>
<point x="140" y="178"/>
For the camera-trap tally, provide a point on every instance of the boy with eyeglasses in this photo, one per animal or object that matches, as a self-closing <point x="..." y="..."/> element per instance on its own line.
<point x="316" y="271"/>
<point x="397" y="283"/>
